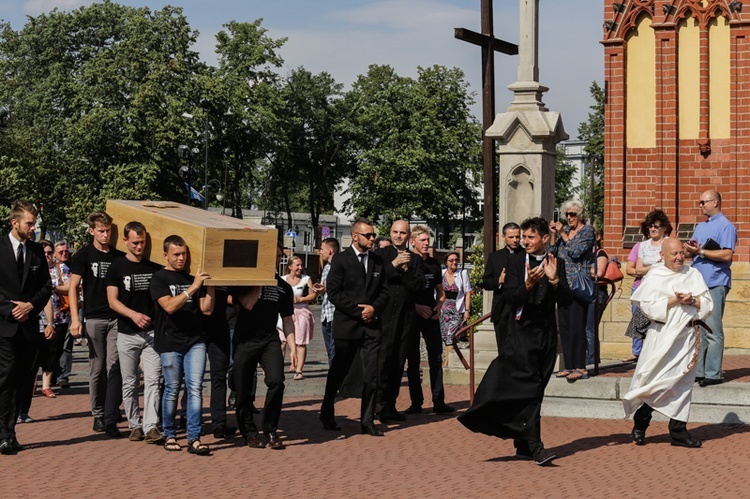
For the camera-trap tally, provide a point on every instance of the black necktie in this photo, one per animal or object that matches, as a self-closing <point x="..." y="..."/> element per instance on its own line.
<point x="19" y="261"/>
<point x="362" y="261"/>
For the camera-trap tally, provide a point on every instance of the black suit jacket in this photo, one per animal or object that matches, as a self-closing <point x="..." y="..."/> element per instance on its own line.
<point x="496" y="262"/>
<point x="348" y="285"/>
<point x="35" y="288"/>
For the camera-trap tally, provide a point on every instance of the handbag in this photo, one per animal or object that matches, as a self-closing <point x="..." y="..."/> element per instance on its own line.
<point x="613" y="272"/>
<point x="583" y="287"/>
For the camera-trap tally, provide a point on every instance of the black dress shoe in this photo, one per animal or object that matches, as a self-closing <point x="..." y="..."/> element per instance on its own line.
<point x="639" y="436"/>
<point x="224" y="431"/>
<point x="14" y="444"/>
<point x="329" y="424"/>
<point x="6" y="447"/>
<point x="99" y="426"/>
<point x="255" y="441"/>
<point x="698" y="379"/>
<point x="710" y="382"/>
<point x="413" y="409"/>
<point x="372" y="430"/>
<point x="273" y="440"/>
<point x="112" y="431"/>
<point x="543" y="457"/>
<point x="686" y="442"/>
<point x="390" y="415"/>
<point x="443" y="408"/>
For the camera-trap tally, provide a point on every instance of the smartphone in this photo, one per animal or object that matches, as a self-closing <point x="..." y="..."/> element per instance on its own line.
<point x="556" y="215"/>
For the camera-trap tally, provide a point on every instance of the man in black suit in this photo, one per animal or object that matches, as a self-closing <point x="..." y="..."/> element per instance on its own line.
<point x="494" y="277"/>
<point x="25" y="288"/>
<point x="357" y="287"/>
<point x="405" y="276"/>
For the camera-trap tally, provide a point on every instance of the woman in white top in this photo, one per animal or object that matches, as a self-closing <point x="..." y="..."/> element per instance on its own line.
<point x="455" y="310"/>
<point x="304" y="322"/>
<point x="657" y="228"/>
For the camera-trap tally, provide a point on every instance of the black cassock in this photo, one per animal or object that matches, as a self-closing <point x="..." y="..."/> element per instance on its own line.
<point x="508" y="401"/>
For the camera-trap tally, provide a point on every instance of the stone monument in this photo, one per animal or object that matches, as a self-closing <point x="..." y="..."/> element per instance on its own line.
<point x="527" y="135"/>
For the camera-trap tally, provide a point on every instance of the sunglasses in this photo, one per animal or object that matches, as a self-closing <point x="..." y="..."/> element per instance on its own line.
<point x="367" y="235"/>
<point x="654" y="226"/>
<point x="571" y="214"/>
<point x="702" y="202"/>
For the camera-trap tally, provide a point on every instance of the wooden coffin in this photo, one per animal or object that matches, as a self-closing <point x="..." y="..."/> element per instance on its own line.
<point x="233" y="251"/>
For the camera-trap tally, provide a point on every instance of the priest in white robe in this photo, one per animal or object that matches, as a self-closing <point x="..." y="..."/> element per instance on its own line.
<point x="673" y="296"/>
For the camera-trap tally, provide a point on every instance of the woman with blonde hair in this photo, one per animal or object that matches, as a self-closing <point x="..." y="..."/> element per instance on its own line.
<point x="304" y="322"/>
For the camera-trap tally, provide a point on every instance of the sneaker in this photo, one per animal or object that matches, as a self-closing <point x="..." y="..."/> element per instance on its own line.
<point x="24" y="418"/>
<point x="153" y="436"/>
<point x="136" y="435"/>
<point x="543" y="457"/>
<point x="99" y="424"/>
<point x="112" y="431"/>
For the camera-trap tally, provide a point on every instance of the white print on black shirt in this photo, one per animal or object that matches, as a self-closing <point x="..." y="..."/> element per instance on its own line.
<point x="99" y="269"/>
<point x="176" y="289"/>
<point x="138" y="282"/>
<point x="271" y="293"/>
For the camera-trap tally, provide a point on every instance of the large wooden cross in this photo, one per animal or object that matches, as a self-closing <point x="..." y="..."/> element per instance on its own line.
<point x="490" y="45"/>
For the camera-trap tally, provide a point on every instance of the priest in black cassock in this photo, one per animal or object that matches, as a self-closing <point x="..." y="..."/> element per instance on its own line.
<point x="508" y="401"/>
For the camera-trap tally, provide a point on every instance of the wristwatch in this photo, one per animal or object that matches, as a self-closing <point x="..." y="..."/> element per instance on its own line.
<point x="702" y="253"/>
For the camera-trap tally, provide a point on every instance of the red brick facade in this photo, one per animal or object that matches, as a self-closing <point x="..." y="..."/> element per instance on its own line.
<point x="672" y="174"/>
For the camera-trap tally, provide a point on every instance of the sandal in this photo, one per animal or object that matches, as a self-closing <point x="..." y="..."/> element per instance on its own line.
<point x="196" y="447"/>
<point x="171" y="445"/>
<point x="564" y="373"/>
<point x="576" y="375"/>
<point x="632" y="358"/>
<point x="299" y="376"/>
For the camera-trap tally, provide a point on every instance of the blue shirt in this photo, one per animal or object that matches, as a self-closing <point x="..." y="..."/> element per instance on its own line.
<point x="723" y="232"/>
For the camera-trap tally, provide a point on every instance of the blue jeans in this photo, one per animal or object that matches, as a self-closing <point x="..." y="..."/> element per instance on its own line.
<point x="328" y="339"/>
<point x="193" y="364"/>
<point x="712" y="345"/>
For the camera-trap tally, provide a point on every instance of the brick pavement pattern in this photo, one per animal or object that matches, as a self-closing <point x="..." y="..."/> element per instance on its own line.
<point x="427" y="456"/>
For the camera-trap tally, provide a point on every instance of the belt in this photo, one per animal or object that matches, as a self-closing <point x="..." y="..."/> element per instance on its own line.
<point x="697" y="322"/>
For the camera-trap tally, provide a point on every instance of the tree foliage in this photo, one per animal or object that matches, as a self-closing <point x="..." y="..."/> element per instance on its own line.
<point x="592" y="131"/>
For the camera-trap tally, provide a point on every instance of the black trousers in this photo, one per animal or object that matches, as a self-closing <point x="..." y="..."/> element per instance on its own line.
<point x="573" y="334"/>
<point x="642" y="418"/>
<point x="344" y="354"/>
<point x="397" y="343"/>
<point x="247" y="355"/>
<point x="17" y="359"/>
<point x="218" y="360"/>
<point x="433" y="341"/>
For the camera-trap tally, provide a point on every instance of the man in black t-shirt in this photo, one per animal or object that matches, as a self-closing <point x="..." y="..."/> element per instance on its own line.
<point x="180" y="340"/>
<point x="129" y="295"/>
<point x="427" y="312"/>
<point x="256" y="340"/>
<point x="91" y="264"/>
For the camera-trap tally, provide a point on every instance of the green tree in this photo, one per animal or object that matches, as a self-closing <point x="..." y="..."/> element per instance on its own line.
<point x="592" y="131"/>
<point x="417" y="146"/>
<point x="312" y="149"/>
<point x="564" y="172"/>
<point x="96" y="93"/>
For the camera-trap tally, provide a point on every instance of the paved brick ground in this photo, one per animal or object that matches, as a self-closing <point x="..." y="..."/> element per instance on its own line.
<point x="427" y="456"/>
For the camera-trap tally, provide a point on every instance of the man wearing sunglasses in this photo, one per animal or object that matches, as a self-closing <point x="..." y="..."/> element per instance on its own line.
<point x="712" y="248"/>
<point x="356" y="286"/>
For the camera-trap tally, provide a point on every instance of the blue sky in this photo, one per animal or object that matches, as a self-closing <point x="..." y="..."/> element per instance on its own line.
<point x="343" y="37"/>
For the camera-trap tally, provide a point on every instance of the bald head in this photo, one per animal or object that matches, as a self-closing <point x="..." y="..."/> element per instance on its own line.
<point x="672" y="254"/>
<point x="710" y="203"/>
<point x="400" y="233"/>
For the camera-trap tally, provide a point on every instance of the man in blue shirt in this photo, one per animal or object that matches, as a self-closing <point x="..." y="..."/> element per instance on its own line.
<point x="712" y="248"/>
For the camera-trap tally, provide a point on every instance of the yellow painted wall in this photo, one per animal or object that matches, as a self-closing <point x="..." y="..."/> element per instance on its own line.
<point x="688" y="57"/>
<point x="719" y="79"/>
<point x="641" y="85"/>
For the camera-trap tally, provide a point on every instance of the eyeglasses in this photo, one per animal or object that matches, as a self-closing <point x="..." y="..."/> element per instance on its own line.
<point x="654" y="226"/>
<point x="367" y="235"/>
<point x="63" y="251"/>
<point x="702" y="202"/>
<point x="571" y="214"/>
